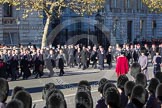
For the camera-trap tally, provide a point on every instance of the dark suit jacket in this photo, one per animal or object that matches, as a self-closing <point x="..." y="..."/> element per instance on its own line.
<point x="152" y="102"/>
<point x="101" y="103"/>
<point x="83" y="56"/>
<point x="101" y="57"/>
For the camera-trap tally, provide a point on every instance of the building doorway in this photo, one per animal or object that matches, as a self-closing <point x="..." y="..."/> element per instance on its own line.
<point x="129" y="31"/>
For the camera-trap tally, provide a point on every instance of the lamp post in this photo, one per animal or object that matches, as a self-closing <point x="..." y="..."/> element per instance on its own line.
<point x="115" y="25"/>
<point x="141" y="29"/>
<point x="88" y="30"/>
<point x="18" y="24"/>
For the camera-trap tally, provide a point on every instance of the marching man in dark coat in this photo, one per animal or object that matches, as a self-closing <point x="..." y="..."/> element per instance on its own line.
<point x="84" y="57"/>
<point x="109" y="57"/>
<point x="71" y="56"/>
<point x="93" y="57"/>
<point x="61" y="60"/>
<point x="101" y="57"/>
<point x="50" y="62"/>
<point x="24" y="64"/>
<point x="77" y="56"/>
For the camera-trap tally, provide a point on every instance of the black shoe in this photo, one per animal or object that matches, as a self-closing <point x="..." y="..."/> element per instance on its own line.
<point x="36" y="76"/>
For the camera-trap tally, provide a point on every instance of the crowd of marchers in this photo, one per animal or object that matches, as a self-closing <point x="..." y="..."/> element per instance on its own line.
<point x="24" y="61"/>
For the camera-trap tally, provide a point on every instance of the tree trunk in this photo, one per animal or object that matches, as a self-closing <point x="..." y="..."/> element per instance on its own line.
<point x="45" y="33"/>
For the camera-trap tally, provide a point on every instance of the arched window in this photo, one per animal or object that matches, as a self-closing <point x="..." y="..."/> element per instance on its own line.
<point x="7" y="10"/>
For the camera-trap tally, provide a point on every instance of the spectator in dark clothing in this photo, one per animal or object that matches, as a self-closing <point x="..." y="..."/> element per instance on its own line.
<point x="158" y="75"/>
<point x="112" y="98"/>
<point x="141" y="80"/>
<point x="107" y="86"/>
<point x="4" y="90"/>
<point x="16" y="89"/>
<point x="3" y="73"/>
<point x="46" y="89"/>
<point x="128" y="87"/>
<point x="15" y="104"/>
<point x="55" y="99"/>
<point x="152" y="101"/>
<point x="159" y="95"/>
<point x="101" y="101"/>
<point x="83" y="100"/>
<point x="138" y="97"/>
<point x="120" y="84"/>
<point x="24" y="97"/>
<point x="84" y="83"/>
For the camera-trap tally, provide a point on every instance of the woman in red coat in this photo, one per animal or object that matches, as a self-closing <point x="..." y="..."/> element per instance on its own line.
<point x="122" y="67"/>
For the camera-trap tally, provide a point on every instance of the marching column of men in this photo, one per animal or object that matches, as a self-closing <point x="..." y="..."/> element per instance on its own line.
<point x="27" y="61"/>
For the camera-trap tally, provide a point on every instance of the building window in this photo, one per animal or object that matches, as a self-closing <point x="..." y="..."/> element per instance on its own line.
<point x="115" y="4"/>
<point x="142" y="28"/>
<point x="141" y="5"/>
<point x="154" y="28"/>
<point x="128" y="3"/>
<point x="11" y="38"/>
<point x="110" y="2"/>
<point x="7" y="10"/>
<point x="125" y="1"/>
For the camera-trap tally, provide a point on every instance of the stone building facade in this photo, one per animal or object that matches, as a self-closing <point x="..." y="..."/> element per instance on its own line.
<point x="120" y="21"/>
<point x="14" y="29"/>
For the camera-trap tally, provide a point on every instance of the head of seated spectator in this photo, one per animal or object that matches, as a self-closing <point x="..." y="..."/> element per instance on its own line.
<point x="16" y="89"/>
<point x="128" y="87"/>
<point x="107" y="86"/>
<point x="46" y="89"/>
<point x="55" y="99"/>
<point x="158" y="75"/>
<point x="141" y="80"/>
<point x="83" y="100"/>
<point x="24" y="97"/>
<point x="101" y="85"/>
<point x="154" y="82"/>
<point x="101" y="101"/>
<point x="121" y="81"/>
<point x="152" y="100"/>
<point x="112" y="97"/>
<point x="84" y="83"/>
<point x="135" y="69"/>
<point x="4" y="90"/>
<point x="120" y="84"/>
<point x="15" y="104"/>
<point x="138" y="96"/>
<point x="159" y="92"/>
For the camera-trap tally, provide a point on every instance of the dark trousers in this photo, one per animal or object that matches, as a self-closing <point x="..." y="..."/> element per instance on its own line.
<point x="61" y="71"/>
<point x="13" y="74"/>
<point x="101" y="66"/>
<point x="94" y="64"/>
<point x="39" y="71"/>
<point x="84" y="65"/>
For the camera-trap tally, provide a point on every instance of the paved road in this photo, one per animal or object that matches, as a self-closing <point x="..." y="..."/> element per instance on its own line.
<point x="67" y="83"/>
